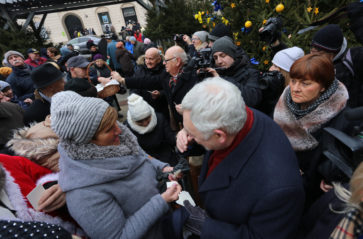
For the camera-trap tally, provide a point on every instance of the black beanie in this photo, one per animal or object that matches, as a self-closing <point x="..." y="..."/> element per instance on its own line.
<point x="219" y="31"/>
<point x="225" y="44"/>
<point x="329" y="38"/>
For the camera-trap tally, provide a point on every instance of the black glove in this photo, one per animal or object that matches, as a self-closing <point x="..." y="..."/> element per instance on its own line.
<point x="196" y="218"/>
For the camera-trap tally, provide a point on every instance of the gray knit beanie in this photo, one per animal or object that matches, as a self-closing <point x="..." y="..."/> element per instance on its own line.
<point x="202" y="35"/>
<point x="75" y="117"/>
<point x="9" y="53"/>
<point x="225" y="44"/>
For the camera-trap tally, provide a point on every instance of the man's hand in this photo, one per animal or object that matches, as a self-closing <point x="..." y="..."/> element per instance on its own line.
<point x="182" y="140"/>
<point x="171" y="194"/>
<point x="28" y="101"/>
<point x="52" y="199"/>
<point x="155" y="94"/>
<point x="115" y="75"/>
<point x="179" y="109"/>
<point x="212" y="71"/>
<point x="186" y="38"/>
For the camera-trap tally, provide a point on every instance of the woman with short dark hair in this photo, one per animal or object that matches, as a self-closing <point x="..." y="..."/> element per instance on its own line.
<point x="313" y="100"/>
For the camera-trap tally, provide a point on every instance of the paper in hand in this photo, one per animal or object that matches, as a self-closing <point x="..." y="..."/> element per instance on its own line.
<point x="34" y="196"/>
<point x="184" y="195"/>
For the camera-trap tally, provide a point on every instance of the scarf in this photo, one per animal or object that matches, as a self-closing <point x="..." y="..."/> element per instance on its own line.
<point x="218" y="155"/>
<point x="299" y="130"/>
<point x="350" y="227"/>
<point x="88" y="151"/>
<point x="299" y="113"/>
<point x="140" y="129"/>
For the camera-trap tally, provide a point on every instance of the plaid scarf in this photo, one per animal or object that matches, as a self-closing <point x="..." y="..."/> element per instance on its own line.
<point x="350" y="227"/>
<point x="299" y="113"/>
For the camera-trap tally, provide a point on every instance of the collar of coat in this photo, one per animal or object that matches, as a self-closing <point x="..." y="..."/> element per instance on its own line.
<point x="299" y="131"/>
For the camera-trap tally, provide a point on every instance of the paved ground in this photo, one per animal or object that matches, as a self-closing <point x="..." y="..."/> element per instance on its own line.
<point x="122" y="100"/>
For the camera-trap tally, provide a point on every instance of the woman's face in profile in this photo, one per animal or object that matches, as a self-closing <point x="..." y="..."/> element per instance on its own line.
<point x="108" y="137"/>
<point x="305" y="91"/>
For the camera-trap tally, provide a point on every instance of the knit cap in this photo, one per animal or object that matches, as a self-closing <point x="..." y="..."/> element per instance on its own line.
<point x="285" y="58"/>
<point x="132" y="39"/>
<point x="9" y="53"/>
<point x="3" y="85"/>
<point x="329" y="38"/>
<point x="219" y="31"/>
<point x="224" y="44"/>
<point x="202" y="35"/>
<point x="139" y="109"/>
<point x="76" y="118"/>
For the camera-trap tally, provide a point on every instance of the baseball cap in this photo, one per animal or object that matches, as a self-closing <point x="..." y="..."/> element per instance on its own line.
<point x="32" y="50"/>
<point x="77" y="61"/>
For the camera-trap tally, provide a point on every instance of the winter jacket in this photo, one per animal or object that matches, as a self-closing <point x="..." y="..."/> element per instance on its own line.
<point x="138" y="49"/>
<point x="145" y="75"/>
<point x="21" y="83"/>
<point x="37" y="111"/>
<point x="102" y="47"/>
<point x="124" y="58"/>
<point x="245" y="77"/>
<point x="111" y="52"/>
<point x="160" y="142"/>
<point x="111" y="191"/>
<point x="38" y="143"/>
<point x="256" y="192"/>
<point x="11" y="117"/>
<point x="95" y="72"/>
<point x="34" y="64"/>
<point x="354" y="83"/>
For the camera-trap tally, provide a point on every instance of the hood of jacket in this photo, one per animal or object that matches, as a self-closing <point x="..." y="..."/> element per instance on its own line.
<point x="83" y="165"/>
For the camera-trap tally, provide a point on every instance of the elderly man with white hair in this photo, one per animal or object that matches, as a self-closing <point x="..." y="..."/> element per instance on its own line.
<point x="250" y="183"/>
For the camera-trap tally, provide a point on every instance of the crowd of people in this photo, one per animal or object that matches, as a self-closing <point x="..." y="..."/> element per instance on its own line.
<point x="254" y="141"/>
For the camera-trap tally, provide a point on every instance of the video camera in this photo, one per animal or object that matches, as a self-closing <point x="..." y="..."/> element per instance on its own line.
<point x="203" y="59"/>
<point x="345" y="152"/>
<point x="272" y="30"/>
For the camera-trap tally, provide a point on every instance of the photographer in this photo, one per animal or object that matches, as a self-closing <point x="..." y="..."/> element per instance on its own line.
<point x="235" y="68"/>
<point x="271" y="34"/>
<point x="197" y="43"/>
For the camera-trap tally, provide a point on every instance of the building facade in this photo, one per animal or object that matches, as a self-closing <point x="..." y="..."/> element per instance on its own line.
<point x="61" y="26"/>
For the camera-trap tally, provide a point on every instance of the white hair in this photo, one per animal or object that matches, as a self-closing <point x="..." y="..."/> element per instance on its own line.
<point x="182" y="55"/>
<point x="215" y="104"/>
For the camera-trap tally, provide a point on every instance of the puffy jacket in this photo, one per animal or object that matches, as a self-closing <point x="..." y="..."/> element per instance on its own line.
<point x="21" y="83"/>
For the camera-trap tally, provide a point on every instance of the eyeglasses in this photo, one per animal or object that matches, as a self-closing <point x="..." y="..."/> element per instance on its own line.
<point x="166" y="60"/>
<point x="195" y="39"/>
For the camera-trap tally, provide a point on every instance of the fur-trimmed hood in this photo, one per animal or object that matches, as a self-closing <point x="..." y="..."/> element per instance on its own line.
<point x="38" y="143"/>
<point x="299" y="131"/>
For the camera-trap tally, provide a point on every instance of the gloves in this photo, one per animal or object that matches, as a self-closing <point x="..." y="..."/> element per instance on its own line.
<point x="196" y="218"/>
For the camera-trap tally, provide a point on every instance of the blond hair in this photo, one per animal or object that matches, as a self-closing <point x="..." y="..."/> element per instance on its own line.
<point x="108" y="120"/>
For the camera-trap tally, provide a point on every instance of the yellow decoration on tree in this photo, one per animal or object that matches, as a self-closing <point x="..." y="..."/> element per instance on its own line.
<point x="233" y="5"/>
<point x="316" y="11"/>
<point x="208" y="20"/>
<point x="264" y="48"/>
<point x="267" y="1"/>
<point x="248" y="24"/>
<point x="225" y="21"/>
<point x="214" y="24"/>
<point x="238" y="43"/>
<point x="280" y="7"/>
<point x="309" y="9"/>
<point x="235" y="35"/>
<point x="264" y="21"/>
<point x="265" y="62"/>
<point x="196" y="16"/>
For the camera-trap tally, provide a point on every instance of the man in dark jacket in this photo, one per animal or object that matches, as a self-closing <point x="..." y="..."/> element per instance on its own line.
<point x="347" y="62"/>
<point x="19" y="79"/>
<point x="250" y="184"/>
<point x="48" y="81"/>
<point x="233" y="66"/>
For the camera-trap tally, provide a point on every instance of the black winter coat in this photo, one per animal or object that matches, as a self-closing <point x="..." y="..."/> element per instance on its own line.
<point x="124" y="58"/>
<point x="245" y="77"/>
<point x="160" y="142"/>
<point x="37" y="111"/>
<point x="354" y="84"/>
<point x="95" y="72"/>
<point x="160" y="104"/>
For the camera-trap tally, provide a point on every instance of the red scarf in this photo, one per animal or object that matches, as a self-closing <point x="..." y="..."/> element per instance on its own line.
<point x="218" y="155"/>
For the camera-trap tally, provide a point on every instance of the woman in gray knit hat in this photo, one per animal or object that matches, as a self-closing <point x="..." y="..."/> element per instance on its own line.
<point x="110" y="183"/>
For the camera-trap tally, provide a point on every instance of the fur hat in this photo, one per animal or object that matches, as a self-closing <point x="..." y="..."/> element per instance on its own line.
<point x="329" y="38"/>
<point x="202" y="35"/>
<point x="219" y="31"/>
<point x="76" y="118"/>
<point x="139" y="109"/>
<point x="285" y="58"/>
<point x="10" y="53"/>
<point x="224" y="44"/>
